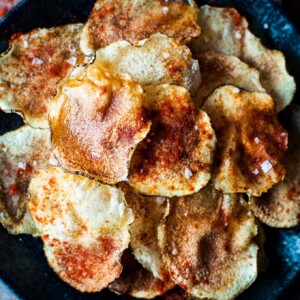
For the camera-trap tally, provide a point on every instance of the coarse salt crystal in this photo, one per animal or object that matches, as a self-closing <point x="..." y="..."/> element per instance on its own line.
<point x="165" y="10"/>
<point x="256" y="140"/>
<point x="37" y="61"/>
<point x="160" y="200"/>
<point x="34" y="162"/>
<point x="283" y="134"/>
<point x="238" y="35"/>
<point x="236" y="90"/>
<point x="22" y="165"/>
<point x="266" y="166"/>
<point x="196" y="127"/>
<point x="266" y="26"/>
<point x="166" y="55"/>
<point x="227" y="163"/>
<point x="255" y="172"/>
<point x="187" y="173"/>
<point x="25" y="44"/>
<point x="72" y="60"/>
<point x="53" y="161"/>
<point x="174" y="251"/>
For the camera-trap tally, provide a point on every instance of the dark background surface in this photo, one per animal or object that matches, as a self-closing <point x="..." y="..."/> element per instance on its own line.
<point x="22" y="263"/>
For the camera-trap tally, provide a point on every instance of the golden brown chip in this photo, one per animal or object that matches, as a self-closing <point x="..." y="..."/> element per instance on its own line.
<point x="97" y="120"/>
<point x="21" y="153"/>
<point x="137" y="281"/>
<point x="225" y="30"/>
<point x="280" y="207"/>
<point x="176" y="157"/>
<point x="30" y="70"/>
<point x="157" y="60"/>
<point x="112" y="21"/>
<point x="148" y="212"/>
<point x="218" y="69"/>
<point x="207" y="244"/>
<point x="84" y="227"/>
<point x="251" y="142"/>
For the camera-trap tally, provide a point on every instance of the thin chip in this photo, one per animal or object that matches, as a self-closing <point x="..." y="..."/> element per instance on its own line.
<point x="148" y="212"/>
<point x="97" y="121"/>
<point x="176" y="157"/>
<point x="84" y="227"/>
<point x="137" y="281"/>
<point x="207" y="244"/>
<point x="251" y="142"/>
<point x="30" y="70"/>
<point x="21" y="152"/>
<point x="218" y="69"/>
<point x="112" y="21"/>
<point x="157" y="60"/>
<point x="280" y="207"/>
<point x="225" y="30"/>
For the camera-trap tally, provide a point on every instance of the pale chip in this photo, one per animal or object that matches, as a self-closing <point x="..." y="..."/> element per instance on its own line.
<point x="280" y="207"/>
<point x="157" y="60"/>
<point x="112" y="21"/>
<point x="96" y="121"/>
<point x="148" y="212"/>
<point x="207" y="244"/>
<point x="218" y="69"/>
<point x="176" y="157"/>
<point x="21" y="152"/>
<point x="137" y="281"/>
<point x="28" y="75"/>
<point x="251" y="142"/>
<point x="225" y="30"/>
<point x="84" y="227"/>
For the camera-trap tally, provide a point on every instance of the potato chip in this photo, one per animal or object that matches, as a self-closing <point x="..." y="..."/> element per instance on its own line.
<point x="97" y="120"/>
<point x="225" y="30"/>
<point x="280" y="207"/>
<point x="251" y="142"/>
<point x="31" y="68"/>
<point x="84" y="227"/>
<point x="21" y="152"/>
<point x="207" y="244"/>
<point x="148" y="212"/>
<point x="112" y="21"/>
<point x="157" y="60"/>
<point x="176" y="157"/>
<point x="137" y="281"/>
<point x="218" y="69"/>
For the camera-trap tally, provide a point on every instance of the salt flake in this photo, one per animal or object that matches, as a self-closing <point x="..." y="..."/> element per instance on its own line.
<point x="188" y="173"/>
<point x="266" y="166"/>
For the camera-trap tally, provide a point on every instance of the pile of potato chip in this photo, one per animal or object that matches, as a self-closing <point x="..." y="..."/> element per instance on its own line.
<point x="151" y="149"/>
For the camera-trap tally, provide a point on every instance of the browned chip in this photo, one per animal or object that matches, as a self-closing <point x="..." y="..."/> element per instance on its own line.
<point x="21" y="153"/>
<point x="176" y="157"/>
<point x="280" y="207"/>
<point x="84" y="227"/>
<point x="225" y="30"/>
<point x="157" y="60"/>
<point x="137" y="281"/>
<point x="218" y="69"/>
<point x="112" y="21"/>
<point x="32" y="67"/>
<point x="207" y="244"/>
<point x="148" y="212"/>
<point x="251" y="142"/>
<point x="97" y="120"/>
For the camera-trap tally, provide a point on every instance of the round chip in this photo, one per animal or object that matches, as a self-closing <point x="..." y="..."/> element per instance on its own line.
<point x="225" y="30"/>
<point x="251" y="142"/>
<point x="137" y="281"/>
<point x="176" y="157"/>
<point x="207" y="244"/>
<point x="112" y="21"/>
<point x="148" y="212"/>
<point x="280" y="207"/>
<point x="97" y="120"/>
<point x="218" y="69"/>
<point x="31" y="68"/>
<point x="21" y="152"/>
<point x="84" y="227"/>
<point x="157" y="60"/>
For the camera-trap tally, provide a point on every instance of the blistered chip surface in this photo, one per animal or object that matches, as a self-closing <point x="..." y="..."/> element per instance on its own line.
<point x="112" y="21"/>
<point x="225" y="30"/>
<point x="176" y="157"/>
<point x="250" y="141"/>
<point x="84" y="227"/>
<point x="32" y="67"/>
<point x="96" y="121"/>
<point x="207" y="244"/>
<point x="21" y="152"/>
